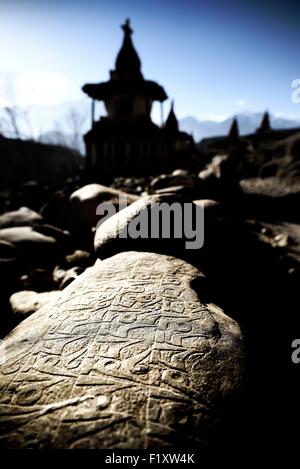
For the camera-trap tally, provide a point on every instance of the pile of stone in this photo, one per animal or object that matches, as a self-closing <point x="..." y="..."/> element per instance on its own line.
<point x="45" y="250"/>
<point x="124" y="352"/>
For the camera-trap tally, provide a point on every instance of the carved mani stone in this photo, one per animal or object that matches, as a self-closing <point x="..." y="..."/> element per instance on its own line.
<point x="128" y="357"/>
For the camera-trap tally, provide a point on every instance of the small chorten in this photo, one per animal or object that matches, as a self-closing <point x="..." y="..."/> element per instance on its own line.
<point x="172" y="123"/>
<point x="265" y="125"/>
<point x="234" y="133"/>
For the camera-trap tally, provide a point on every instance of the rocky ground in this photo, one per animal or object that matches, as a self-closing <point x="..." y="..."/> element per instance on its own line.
<point x="243" y="285"/>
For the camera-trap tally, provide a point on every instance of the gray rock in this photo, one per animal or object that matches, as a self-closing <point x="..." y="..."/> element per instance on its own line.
<point x="64" y="277"/>
<point x="212" y="208"/>
<point x="216" y="168"/>
<point x="128" y="357"/>
<point x="222" y="168"/>
<point x="178" y="190"/>
<point x="58" y="275"/>
<point x="181" y="172"/>
<point x="208" y="203"/>
<point x="177" y="178"/>
<point x="24" y="303"/>
<point x="79" y="258"/>
<point x="7" y="251"/>
<point x="24" y="216"/>
<point x="63" y="237"/>
<point x="218" y="230"/>
<point x="30" y="244"/>
<point x="85" y="201"/>
<point x="71" y="275"/>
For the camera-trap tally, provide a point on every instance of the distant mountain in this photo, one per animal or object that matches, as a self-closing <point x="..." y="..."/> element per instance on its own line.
<point x="65" y="124"/>
<point x="248" y="123"/>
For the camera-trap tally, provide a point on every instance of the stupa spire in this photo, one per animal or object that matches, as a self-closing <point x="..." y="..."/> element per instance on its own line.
<point x="172" y="122"/>
<point x="128" y="64"/>
<point x="265" y="125"/>
<point x="234" y="130"/>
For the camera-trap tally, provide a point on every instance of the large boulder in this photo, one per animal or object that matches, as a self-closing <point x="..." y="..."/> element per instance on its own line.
<point x="128" y="357"/>
<point x="148" y="225"/>
<point x="85" y="201"/>
<point x="30" y="244"/>
<point x="24" y="216"/>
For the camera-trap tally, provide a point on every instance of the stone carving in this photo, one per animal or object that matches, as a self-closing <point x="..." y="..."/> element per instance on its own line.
<point x="127" y="357"/>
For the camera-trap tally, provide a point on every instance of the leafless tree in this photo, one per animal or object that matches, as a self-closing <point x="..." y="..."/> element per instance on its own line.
<point x="75" y="121"/>
<point x="14" y="120"/>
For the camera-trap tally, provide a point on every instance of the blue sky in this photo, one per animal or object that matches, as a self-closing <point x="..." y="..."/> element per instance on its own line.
<point x="215" y="58"/>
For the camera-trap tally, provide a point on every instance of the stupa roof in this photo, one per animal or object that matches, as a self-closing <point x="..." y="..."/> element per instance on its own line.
<point x="127" y="77"/>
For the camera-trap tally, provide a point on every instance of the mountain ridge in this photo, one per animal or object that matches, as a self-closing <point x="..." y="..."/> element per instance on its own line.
<point x="248" y="123"/>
